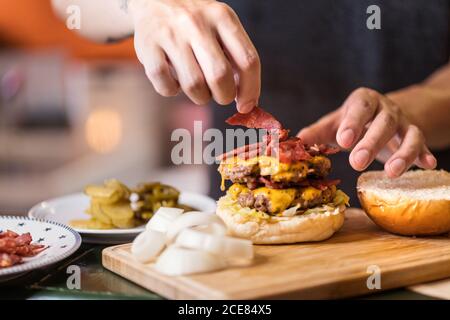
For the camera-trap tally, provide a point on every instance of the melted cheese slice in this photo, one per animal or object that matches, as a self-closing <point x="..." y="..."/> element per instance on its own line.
<point x="310" y="193"/>
<point x="280" y="199"/>
<point x="236" y="189"/>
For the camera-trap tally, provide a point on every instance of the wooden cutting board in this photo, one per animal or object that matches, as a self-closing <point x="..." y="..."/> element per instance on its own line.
<point x="335" y="268"/>
<point x="436" y="289"/>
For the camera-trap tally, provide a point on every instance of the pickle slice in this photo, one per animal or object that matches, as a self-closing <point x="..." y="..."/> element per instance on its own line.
<point x="103" y="194"/>
<point x="110" y="203"/>
<point x="90" y="224"/>
<point x="120" y="187"/>
<point x="98" y="213"/>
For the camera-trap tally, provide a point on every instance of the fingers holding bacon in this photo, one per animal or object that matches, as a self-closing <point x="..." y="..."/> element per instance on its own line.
<point x="277" y="141"/>
<point x="257" y="118"/>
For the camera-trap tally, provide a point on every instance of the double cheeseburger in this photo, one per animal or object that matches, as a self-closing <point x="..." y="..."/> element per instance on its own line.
<point x="279" y="192"/>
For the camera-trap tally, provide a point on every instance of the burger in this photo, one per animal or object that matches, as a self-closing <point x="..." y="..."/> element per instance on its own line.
<point x="279" y="191"/>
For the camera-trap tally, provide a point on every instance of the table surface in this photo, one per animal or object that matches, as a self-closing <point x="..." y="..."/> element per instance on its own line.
<point x="99" y="283"/>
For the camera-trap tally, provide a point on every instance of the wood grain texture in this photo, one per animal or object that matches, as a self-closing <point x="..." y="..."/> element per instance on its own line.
<point x="334" y="268"/>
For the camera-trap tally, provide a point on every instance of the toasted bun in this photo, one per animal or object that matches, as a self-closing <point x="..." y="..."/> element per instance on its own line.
<point x="311" y="227"/>
<point x="417" y="203"/>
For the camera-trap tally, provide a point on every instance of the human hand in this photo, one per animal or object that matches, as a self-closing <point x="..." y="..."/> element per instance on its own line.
<point x="200" y="46"/>
<point x="373" y="126"/>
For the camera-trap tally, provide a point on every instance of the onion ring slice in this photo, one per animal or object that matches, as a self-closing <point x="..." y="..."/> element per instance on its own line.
<point x="176" y="261"/>
<point x="163" y="218"/>
<point x="147" y="245"/>
<point x="234" y="250"/>
<point x="188" y="220"/>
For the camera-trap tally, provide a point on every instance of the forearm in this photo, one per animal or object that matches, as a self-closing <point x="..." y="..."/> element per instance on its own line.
<point x="101" y="20"/>
<point x="427" y="105"/>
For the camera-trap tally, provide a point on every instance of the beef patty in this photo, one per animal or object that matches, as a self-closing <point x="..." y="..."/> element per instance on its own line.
<point x="276" y="201"/>
<point x="249" y="171"/>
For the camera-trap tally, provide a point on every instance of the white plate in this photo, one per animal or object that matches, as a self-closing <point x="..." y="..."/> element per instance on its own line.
<point x="72" y="207"/>
<point x="61" y="241"/>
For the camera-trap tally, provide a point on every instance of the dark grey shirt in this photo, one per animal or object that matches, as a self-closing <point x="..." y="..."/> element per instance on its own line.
<point x="314" y="53"/>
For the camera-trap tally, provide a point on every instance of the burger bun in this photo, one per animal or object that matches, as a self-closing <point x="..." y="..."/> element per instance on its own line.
<point x="415" y="204"/>
<point x="280" y="230"/>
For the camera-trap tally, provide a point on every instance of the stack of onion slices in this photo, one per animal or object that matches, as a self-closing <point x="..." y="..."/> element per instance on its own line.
<point x="187" y="243"/>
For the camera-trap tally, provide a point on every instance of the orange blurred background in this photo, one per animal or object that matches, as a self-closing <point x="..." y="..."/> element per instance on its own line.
<point x="74" y="112"/>
<point x="32" y="24"/>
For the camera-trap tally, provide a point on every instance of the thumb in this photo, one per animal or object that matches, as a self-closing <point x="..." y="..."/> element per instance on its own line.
<point x="322" y="131"/>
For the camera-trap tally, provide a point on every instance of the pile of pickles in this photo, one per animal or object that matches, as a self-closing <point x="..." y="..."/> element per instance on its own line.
<point x="114" y="205"/>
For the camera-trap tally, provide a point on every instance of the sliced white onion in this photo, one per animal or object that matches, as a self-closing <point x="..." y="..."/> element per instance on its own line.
<point x="213" y="228"/>
<point x="148" y="245"/>
<point x="175" y="261"/>
<point x="163" y="218"/>
<point x="234" y="250"/>
<point x="290" y="212"/>
<point x="191" y="219"/>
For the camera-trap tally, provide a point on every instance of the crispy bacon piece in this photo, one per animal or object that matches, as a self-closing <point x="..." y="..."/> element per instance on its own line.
<point x="8" y="245"/>
<point x="320" y="184"/>
<point x="30" y="250"/>
<point x="269" y="183"/>
<point x="289" y="150"/>
<point x="257" y="118"/>
<point x="14" y="246"/>
<point x="323" y="184"/>
<point x="23" y="239"/>
<point x="277" y="143"/>
<point x="292" y="150"/>
<point x="318" y="149"/>
<point x="8" y="260"/>
<point x="244" y="152"/>
<point x="8" y="234"/>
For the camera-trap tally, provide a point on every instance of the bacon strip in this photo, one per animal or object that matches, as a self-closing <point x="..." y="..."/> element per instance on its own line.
<point x="8" y="234"/>
<point x="14" y="246"/>
<point x="23" y="239"/>
<point x="257" y="119"/>
<point x="292" y="150"/>
<point x="320" y="184"/>
<point x="288" y="149"/>
<point x="325" y="149"/>
<point x="323" y="184"/>
<point x="253" y="149"/>
<point x="8" y="260"/>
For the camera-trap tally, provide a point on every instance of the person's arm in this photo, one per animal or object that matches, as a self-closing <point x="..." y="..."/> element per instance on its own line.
<point x="428" y="106"/>
<point x="394" y="128"/>
<point x="199" y="46"/>
<point x="101" y="20"/>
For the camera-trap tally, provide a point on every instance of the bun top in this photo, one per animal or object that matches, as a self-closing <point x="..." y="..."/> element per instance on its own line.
<point x="418" y="185"/>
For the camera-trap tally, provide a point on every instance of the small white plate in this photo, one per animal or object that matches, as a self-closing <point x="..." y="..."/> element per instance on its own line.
<point x="72" y="207"/>
<point x="61" y="241"/>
